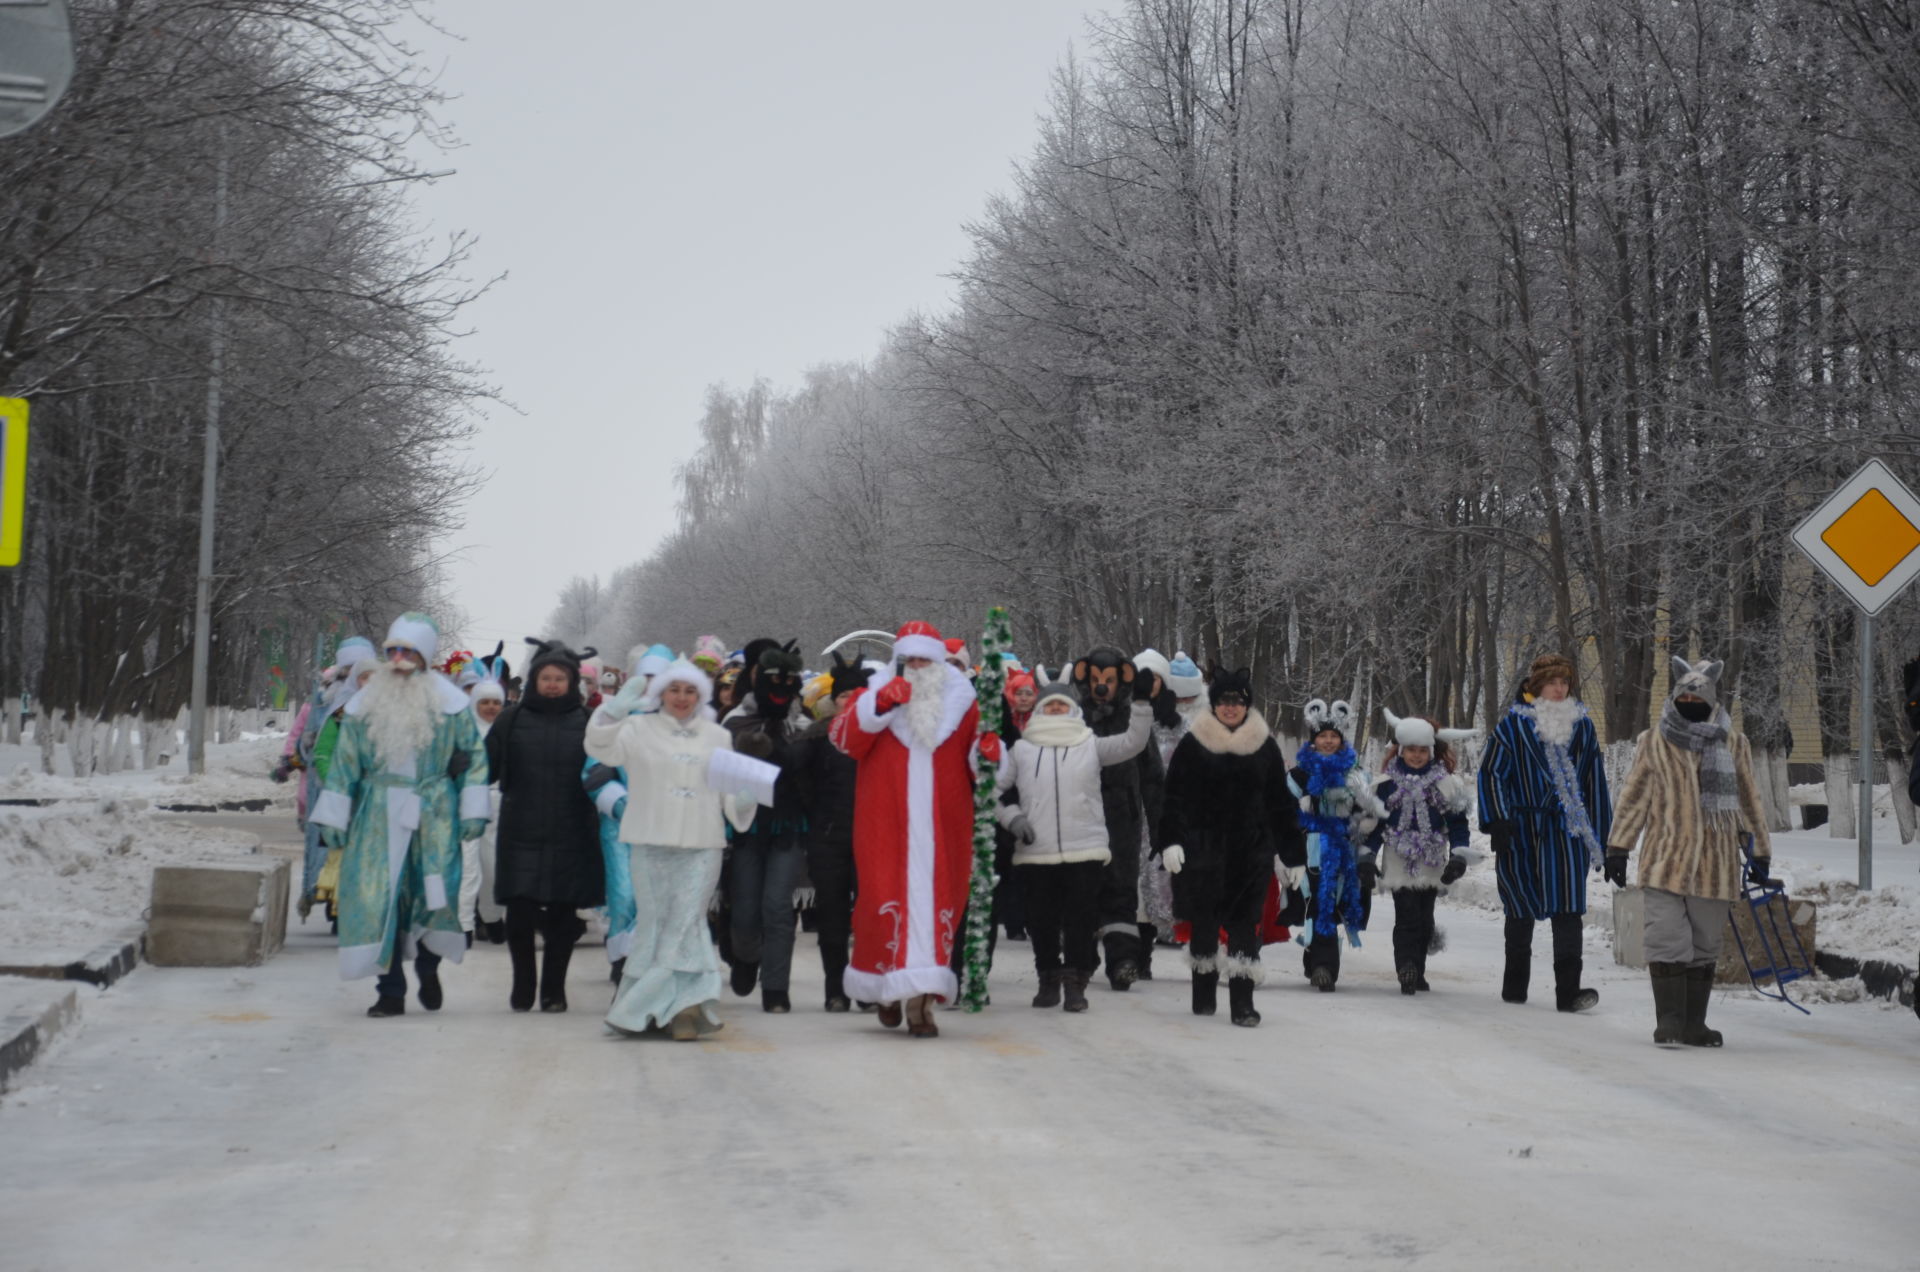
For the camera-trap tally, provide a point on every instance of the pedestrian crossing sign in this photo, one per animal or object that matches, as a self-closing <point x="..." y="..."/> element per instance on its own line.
<point x="13" y="478"/>
<point x="1866" y="537"/>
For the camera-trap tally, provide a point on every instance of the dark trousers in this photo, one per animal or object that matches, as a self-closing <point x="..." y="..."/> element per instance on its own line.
<point x="1566" y="937"/>
<point x="1413" y="926"/>
<point x="393" y="982"/>
<point x="1216" y="891"/>
<point x="830" y="870"/>
<point x="1119" y="900"/>
<point x="1062" y="909"/>
<point x="766" y="870"/>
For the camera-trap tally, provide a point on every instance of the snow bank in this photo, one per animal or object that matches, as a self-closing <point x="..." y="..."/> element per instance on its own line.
<point x="72" y="876"/>
<point x="235" y="771"/>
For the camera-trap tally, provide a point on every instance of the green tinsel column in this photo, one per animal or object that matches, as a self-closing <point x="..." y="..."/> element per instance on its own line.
<point x="990" y="685"/>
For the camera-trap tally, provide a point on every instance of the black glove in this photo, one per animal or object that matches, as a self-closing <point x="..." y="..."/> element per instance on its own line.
<point x="1616" y="869"/>
<point x="457" y="764"/>
<point x="1760" y="871"/>
<point x="281" y="771"/>
<point x="1502" y="833"/>
<point x="753" y="743"/>
<point x="1456" y="866"/>
<point x="1369" y="876"/>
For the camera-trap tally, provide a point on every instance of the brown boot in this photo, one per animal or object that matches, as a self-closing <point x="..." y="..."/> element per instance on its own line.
<point x="889" y="1014"/>
<point x="920" y="1017"/>
<point x="684" y="1027"/>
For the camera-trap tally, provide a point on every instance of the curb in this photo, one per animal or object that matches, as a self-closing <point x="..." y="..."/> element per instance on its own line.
<point x="1882" y="979"/>
<point x="101" y="967"/>
<point x="25" y="1033"/>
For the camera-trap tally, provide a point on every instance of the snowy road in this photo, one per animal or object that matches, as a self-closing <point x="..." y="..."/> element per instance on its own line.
<point x="220" y="1119"/>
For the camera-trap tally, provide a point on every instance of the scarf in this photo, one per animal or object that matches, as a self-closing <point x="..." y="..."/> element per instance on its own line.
<point x="1420" y="812"/>
<point x="1056" y="730"/>
<point x="1563" y="771"/>
<point x="1719" y="784"/>
<point x="1339" y="901"/>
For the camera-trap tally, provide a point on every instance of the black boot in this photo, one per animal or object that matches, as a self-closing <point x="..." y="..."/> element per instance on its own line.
<point x="496" y="931"/>
<point x="1240" y="1001"/>
<point x="618" y="970"/>
<point x="1123" y="968"/>
<point x="1513" y="986"/>
<point x="525" y="977"/>
<point x="1669" y="1002"/>
<point x="1567" y="994"/>
<point x="1075" y="985"/>
<point x="1049" y="995"/>
<point x="836" y="986"/>
<point x="1409" y="980"/>
<point x="561" y="935"/>
<point x="1143" y="966"/>
<point x="1205" y="992"/>
<point x="388" y="1005"/>
<point x="430" y="993"/>
<point x="1699" y="983"/>
<point x="744" y="977"/>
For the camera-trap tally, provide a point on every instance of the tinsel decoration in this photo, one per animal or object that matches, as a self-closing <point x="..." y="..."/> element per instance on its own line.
<point x="990" y="685"/>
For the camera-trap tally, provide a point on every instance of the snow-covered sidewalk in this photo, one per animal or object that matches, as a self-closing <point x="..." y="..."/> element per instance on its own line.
<point x="225" y="1117"/>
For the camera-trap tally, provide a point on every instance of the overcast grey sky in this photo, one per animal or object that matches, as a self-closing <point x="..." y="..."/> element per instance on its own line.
<point x="682" y="194"/>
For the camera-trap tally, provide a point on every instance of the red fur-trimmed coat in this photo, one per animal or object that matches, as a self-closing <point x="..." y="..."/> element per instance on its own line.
<point x="912" y="844"/>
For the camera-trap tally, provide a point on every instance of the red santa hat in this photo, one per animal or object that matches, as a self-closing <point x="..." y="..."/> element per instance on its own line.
<point x="919" y="640"/>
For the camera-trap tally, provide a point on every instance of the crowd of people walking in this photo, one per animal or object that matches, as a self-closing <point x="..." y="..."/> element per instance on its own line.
<point x="710" y="804"/>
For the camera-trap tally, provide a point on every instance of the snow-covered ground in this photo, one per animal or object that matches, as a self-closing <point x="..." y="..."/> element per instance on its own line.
<point x="80" y="868"/>
<point x="235" y="771"/>
<point x="227" y="1118"/>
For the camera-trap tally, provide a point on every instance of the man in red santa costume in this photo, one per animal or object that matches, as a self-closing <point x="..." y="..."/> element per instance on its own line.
<point x="916" y="736"/>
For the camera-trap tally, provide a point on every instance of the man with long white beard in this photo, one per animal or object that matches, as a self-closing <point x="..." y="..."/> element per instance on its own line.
<point x="407" y="786"/>
<point x="915" y="736"/>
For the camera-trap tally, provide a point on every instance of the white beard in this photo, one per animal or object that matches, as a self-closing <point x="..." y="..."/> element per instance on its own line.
<point x="928" y="704"/>
<point x="1554" y="721"/>
<point x="401" y="714"/>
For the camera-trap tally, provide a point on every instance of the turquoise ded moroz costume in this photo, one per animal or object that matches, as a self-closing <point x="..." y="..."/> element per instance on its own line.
<point x="400" y="870"/>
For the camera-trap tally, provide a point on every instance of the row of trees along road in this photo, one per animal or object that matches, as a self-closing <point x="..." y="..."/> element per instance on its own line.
<point x="223" y="173"/>
<point x="1382" y="345"/>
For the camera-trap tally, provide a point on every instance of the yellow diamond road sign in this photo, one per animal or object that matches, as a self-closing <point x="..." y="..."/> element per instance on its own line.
<point x="1866" y="536"/>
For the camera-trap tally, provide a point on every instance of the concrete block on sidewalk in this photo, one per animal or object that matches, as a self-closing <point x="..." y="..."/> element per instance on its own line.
<point x="108" y="959"/>
<point x="218" y="914"/>
<point x="33" y="1011"/>
<point x="1630" y="920"/>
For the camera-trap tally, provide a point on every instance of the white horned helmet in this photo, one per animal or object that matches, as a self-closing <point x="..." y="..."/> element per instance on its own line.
<point x="1414" y="731"/>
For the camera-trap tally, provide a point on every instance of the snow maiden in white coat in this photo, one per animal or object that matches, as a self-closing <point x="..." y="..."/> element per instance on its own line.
<point x="1057" y="816"/>
<point x="664" y="736"/>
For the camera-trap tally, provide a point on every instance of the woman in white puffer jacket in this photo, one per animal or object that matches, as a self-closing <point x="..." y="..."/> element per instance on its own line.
<point x="1054" y="810"/>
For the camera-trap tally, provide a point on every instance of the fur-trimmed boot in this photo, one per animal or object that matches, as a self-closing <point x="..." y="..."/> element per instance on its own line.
<point x="1240" y="1001"/>
<point x="1049" y="995"/>
<point x="1699" y="983"/>
<point x="1669" y="1002"/>
<point x="1075" y="984"/>
<point x="1206" y="986"/>
<point x="1567" y="993"/>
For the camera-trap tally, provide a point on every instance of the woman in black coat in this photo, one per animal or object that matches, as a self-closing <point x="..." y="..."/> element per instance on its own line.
<point x="1228" y="812"/>
<point x="548" y="860"/>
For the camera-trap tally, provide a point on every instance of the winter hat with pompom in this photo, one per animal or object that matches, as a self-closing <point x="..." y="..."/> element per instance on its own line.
<point x="1184" y="677"/>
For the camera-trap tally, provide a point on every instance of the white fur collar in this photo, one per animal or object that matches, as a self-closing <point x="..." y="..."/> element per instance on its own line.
<point x="446" y="696"/>
<point x="1556" y="721"/>
<point x="1216" y="737"/>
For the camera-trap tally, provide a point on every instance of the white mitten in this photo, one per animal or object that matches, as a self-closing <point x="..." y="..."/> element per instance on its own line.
<point x="628" y="700"/>
<point x="1174" y="858"/>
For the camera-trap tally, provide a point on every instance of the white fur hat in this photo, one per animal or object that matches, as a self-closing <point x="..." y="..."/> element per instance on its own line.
<point x="679" y="672"/>
<point x="416" y="631"/>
